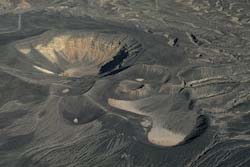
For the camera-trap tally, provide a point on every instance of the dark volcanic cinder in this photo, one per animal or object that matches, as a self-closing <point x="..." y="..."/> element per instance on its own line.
<point x="114" y="83"/>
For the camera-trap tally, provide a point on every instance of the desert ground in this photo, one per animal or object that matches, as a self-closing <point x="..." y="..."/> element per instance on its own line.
<point x="124" y="83"/>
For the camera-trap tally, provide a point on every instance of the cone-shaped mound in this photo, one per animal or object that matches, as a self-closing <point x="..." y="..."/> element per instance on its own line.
<point x="79" y="110"/>
<point x="77" y="53"/>
<point x="140" y="81"/>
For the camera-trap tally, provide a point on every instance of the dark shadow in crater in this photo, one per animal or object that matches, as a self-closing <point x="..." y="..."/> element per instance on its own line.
<point x="200" y="127"/>
<point x="117" y="71"/>
<point x="117" y="61"/>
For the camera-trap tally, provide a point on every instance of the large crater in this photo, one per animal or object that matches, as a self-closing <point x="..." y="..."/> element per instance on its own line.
<point x="76" y="53"/>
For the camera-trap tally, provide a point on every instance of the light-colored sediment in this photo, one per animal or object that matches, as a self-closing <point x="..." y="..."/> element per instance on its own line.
<point x="24" y="4"/>
<point x="80" y="71"/>
<point x="124" y="105"/>
<point x="43" y="70"/>
<point x="75" y="48"/>
<point x="164" y="137"/>
<point x="157" y="135"/>
<point x="139" y="79"/>
<point x="75" y="121"/>
<point x="65" y="91"/>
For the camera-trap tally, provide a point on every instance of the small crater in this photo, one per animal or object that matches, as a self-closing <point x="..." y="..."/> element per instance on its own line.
<point x="79" y="110"/>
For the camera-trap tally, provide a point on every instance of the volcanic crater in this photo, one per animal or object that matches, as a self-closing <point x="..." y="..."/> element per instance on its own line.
<point x="76" y="54"/>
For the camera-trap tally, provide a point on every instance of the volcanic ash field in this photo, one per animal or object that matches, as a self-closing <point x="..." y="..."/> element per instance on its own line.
<point x="124" y="83"/>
